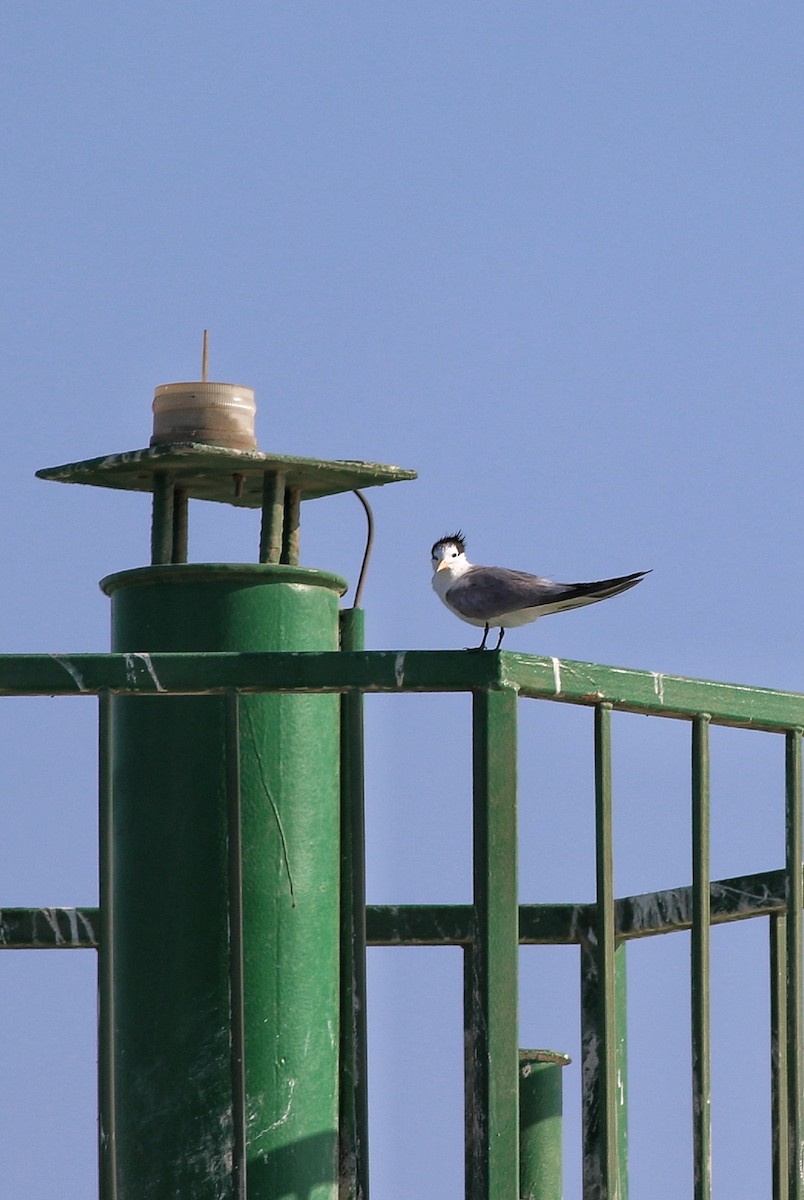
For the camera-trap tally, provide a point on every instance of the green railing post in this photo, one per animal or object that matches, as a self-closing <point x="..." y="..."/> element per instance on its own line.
<point x="594" y="1016"/>
<point x="778" y="1050"/>
<point x="222" y="940"/>
<point x="494" y="986"/>
<point x="107" y="1139"/>
<point x="354" y="1083"/>
<point x="700" y="994"/>
<point x="540" y="1124"/>
<point x="794" y="886"/>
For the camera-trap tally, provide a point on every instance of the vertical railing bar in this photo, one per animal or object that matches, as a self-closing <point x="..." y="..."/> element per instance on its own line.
<point x="354" y="1158"/>
<point x="778" y="1048"/>
<point x="621" y="1093"/>
<point x="795" y="900"/>
<point x="594" y="1185"/>
<point x="236" y="948"/>
<point x="471" y="1133"/>
<point x="107" y="1130"/>
<point x="606" y="946"/>
<point x="700" y="994"/>
<point x="590" y="1065"/>
<point x="495" y="960"/>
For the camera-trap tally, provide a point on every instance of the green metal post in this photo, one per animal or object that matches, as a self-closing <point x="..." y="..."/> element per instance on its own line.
<point x="162" y="518"/>
<point x="603" y="1004"/>
<point x="290" y="531"/>
<point x="107" y="1139"/>
<point x="778" y="1007"/>
<point x="273" y="515"/>
<point x="354" y="1082"/>
<point x="794" y="886"/>
<point x="540" y="1110"/>
<point x="494" y="961"/>
<point x="179" y="550"/>
<point x="593" y="1020"/>
<point x="223" y="953"/>
<point x="606" y="948"/>
<point x="701" y="1035"/>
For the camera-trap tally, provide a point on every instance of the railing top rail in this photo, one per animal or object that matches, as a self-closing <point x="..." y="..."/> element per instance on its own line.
<point x="648" y="692"/>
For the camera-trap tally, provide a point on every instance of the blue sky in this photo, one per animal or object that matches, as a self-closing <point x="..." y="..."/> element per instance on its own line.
<point x="549" y="256"/>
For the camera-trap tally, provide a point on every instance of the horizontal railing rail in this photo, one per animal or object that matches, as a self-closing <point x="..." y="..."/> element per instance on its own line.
<point x="666" y="911"/>
<point x="648" y="692"/>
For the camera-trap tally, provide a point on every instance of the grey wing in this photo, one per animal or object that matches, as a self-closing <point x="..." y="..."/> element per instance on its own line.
<point x="484" y="593"/>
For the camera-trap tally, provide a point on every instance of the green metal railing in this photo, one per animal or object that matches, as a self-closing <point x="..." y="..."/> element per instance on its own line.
<point x="491" y="929"/>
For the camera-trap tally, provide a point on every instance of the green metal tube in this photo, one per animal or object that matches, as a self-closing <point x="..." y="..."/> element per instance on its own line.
<point x="225" y="974"/>
<point x="354" y="1057"/>
<point x="273" y="516"/>
<point x="540" y="1110"/>
<point x="162" y="518"/>
<point x="290" y="526"/>
<point x="180" y="513"/>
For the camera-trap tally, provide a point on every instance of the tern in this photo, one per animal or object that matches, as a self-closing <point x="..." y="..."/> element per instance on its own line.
<point x="497" y="598"/>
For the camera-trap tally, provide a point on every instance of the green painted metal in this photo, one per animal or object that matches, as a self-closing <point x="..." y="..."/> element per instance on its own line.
<point x="354" y="1167"/>
<point x="290" y="526"/>
<point x="219" y="1021"/>
<point x="595" y="1020"/>
<point x="540" y="1124"/>
<point x="778" y="1049"/>
<point x="472" y="1117"/>
<point x="405" y="671"/>
<point x="238" y="1034"/>
<point x="701" y="921"/>
<point x="737" y="899"/>
<point x="49" y="928"/>
<point x="104" y="923"/>
<point x="179" y="525"/>
<point x="653" y="693"/>
<point x="162" y="518"/>
<point x="607" y="1171"/>
<point x="621" y="1053"/>
<point x="494" y="987"/>
<point x="273" y="516"/>
<point x="209" y="473"/>
<point x="234" y="680"/>
<point x="794" y="847"/>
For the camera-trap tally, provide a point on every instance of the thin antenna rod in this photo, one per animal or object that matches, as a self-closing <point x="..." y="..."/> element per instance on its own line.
<point x="204" y="358"/>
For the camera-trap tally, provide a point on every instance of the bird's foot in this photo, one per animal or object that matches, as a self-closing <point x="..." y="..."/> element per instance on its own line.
<point x="482" y="646"/>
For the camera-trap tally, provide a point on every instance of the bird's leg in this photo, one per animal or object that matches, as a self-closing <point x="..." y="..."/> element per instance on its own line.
<point x="482" y="646"/>
<point x="500" y="638"/>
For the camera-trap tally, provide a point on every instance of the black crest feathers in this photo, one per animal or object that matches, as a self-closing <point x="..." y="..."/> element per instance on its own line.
<point x="456" y="539"/>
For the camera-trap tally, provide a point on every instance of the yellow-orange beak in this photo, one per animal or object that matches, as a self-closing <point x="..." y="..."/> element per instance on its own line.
<point x="443" y="564"/>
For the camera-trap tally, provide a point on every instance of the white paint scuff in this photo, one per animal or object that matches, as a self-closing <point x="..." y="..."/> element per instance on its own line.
<point x="71" y="670"/>
<point x="131" y="669"/>
<point x="399" y="669"/>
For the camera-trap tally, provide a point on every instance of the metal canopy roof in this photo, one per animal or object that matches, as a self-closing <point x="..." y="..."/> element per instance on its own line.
<point x="226" y="476"/>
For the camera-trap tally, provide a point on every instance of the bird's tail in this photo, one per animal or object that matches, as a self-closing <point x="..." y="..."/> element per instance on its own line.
<point x="575" y="595"/>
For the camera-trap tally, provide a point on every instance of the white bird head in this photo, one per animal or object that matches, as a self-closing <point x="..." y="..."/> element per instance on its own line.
<point x="449" y="555"/>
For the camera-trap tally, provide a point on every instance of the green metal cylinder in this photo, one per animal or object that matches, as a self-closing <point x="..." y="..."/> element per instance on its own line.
<point x="540" y="1111"/>
<point x="220" y="987"/>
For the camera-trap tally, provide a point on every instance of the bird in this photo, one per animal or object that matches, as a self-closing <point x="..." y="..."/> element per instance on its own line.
<point x="498" y="598"/>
